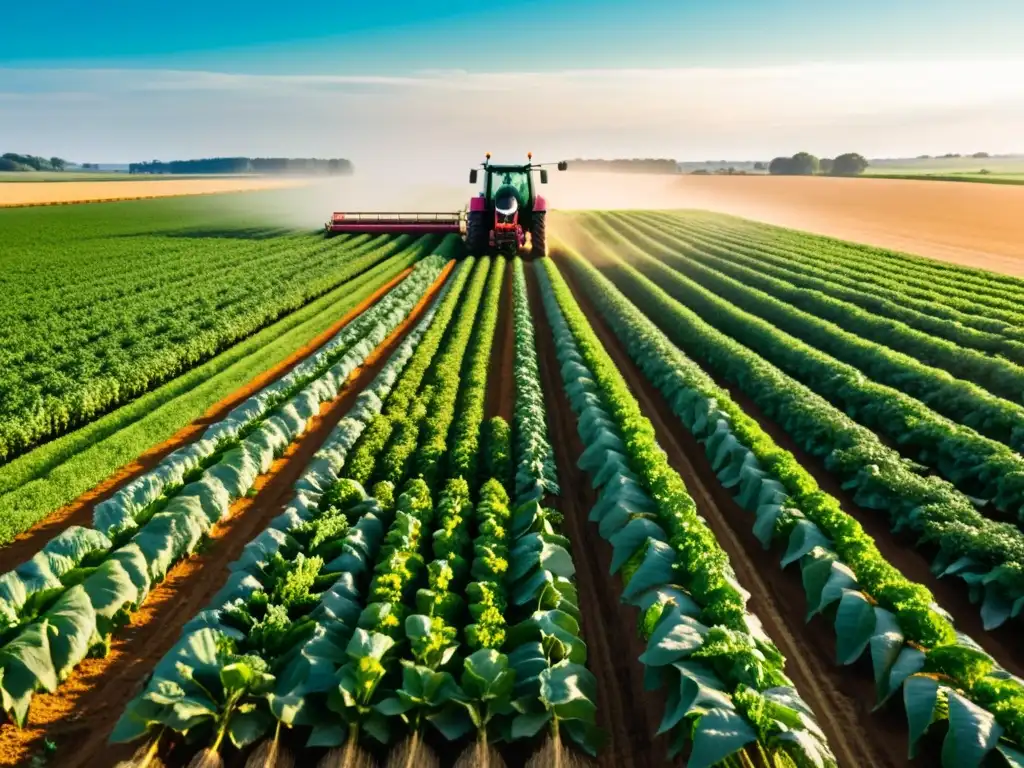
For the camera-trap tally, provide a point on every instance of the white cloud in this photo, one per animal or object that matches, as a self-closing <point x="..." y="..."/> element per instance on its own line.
<point x="434" y="117"/>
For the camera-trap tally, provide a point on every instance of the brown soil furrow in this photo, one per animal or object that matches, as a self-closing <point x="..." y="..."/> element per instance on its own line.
<point x="79" y="512"/>
<point x="81" y="714"/>
<point x="841" y="698"/>
<point x="501" y="382"/>
<point x="627" y="713"/>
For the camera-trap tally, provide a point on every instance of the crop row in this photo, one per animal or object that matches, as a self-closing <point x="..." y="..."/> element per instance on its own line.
<point x="72" y="366"/>
<point x="374" y="659"/>
<point x="979" y="466"/>
<point x="82" y="586"/>
<point x="844" y="331"/>
<point x="983" y="553"/>
<point x="725" y="678"/>
<point x="914" y="648"/>
<point x="924" y="296"/>
<point x="283" y="638"/>
<point x="535" y="459"/>
<point x="880" y="313"/>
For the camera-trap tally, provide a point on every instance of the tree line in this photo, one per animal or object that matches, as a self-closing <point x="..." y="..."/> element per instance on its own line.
<point x="12" y="161"/>
<point x="330" y="166"/>
<point x="806" y="164"/>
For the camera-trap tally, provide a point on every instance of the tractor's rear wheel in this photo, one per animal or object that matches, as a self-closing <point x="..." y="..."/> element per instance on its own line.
<point x="476" y="233"/>
<point x="538" y="236"/>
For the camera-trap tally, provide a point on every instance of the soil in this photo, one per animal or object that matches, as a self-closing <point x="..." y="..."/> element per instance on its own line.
<point x="629" y="715"/>
<point x="79" y="512"/>
<point x="977" y="225"/>
<point x="18" y="194"/>
<point x="501" y="385"/>
<point x="841" y="697"/>
<point x="81" y="714"/>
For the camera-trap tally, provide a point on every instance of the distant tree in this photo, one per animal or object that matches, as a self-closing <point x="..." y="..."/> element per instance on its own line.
<point x="700" y="172"/>
<point x="825" y="165"/>
<point x="58" y="164"/>
<point x="759" y="166"/>
<point x="8" y="165"/>
<point x="924" y="157"/>
<point x="850" y="164"/>
<point x="980" y="154"/>
<point x="805" y="164"/>
<point x="800" y="164"/>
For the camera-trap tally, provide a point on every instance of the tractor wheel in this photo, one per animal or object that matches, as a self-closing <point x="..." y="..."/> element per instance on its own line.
<point x="538" y="237"/>
<point x="476" y="233"/>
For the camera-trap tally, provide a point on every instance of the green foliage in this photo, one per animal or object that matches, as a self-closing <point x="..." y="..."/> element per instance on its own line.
<point x="464" y="440"/>
<point x="158" y="334"/>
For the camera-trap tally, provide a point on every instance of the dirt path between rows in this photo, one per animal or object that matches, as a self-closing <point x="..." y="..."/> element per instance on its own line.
<point x="501" y="383"/>
<point x="81" y="714"/>
<point x="79" y="512"/>
<point x="627" y="713"/>
<point x="841" y="698"/>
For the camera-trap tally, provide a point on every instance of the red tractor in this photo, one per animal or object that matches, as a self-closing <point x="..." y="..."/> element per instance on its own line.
<point x="497" y="220"/>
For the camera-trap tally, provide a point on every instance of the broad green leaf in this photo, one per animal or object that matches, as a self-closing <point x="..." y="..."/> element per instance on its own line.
<point x="719" y="733"/>
<point x="1013" y="757"/>
<point x="804" y="537"/>
<point x="656" y="570"/>
<point x="973" y="733"/>
<point x="920" y="697"/>
<point x="909" y="662"/>
<point x="840" y="579"/>
<point x="586" y="735"/>
<point x="368" y="644"/>
<point x="452" y="721"/>
<point x="246" y="728"/>
<point x="855" y="623"/>
<point x="487" y="674"/>
<point x="886" y="644"/>
<point x="696" y="686"/>
<point x="816" y="568"/>
<point x="74" y="623"/>
<point x="569" y="690"/>
<point x="26" y="666"/>
<point x="805" y="749"/>
<point x="632" y="538"/>
<point x="528" y="725"/>
<point x="674" y="639"/>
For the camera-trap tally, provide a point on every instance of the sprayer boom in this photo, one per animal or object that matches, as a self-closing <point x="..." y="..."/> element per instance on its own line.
<point x="398" y="223"/>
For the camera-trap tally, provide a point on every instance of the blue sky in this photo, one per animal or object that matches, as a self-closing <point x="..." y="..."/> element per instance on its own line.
<point x="320" y="37"/>
<point x="371" y="80"/>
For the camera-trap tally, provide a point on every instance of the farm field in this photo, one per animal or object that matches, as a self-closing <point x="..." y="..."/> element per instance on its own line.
<point x="691" y="490"/>
<point x="975" y="225"/>
<point x="21" y="192"/>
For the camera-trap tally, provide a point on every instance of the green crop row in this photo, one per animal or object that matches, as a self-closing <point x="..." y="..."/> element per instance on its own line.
<point x="956" y="280"/>
<point x="535" y="459"/>
<point x="727" y="688"/>
<point x="809" y="313"/>
<point x="81" y="589"/>
<point x="979" y="466"/>
<point x="883" y="312"/>
<point x="845" y="577"/>
<point x="289" y="612"/>
<point x="68" y="366"/>
<point x="363" y="464"/>
<point x="1005" y="319"/>
<point x="983" y="553"/>
<point x="463" y="458"/>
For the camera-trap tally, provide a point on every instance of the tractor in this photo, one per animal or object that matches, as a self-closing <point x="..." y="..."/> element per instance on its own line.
<point x="497" y="220"/>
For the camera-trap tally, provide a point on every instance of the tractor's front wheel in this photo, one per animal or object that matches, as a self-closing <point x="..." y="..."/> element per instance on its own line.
<point x="538" y="236"/>
<point x="476" y="233"/>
